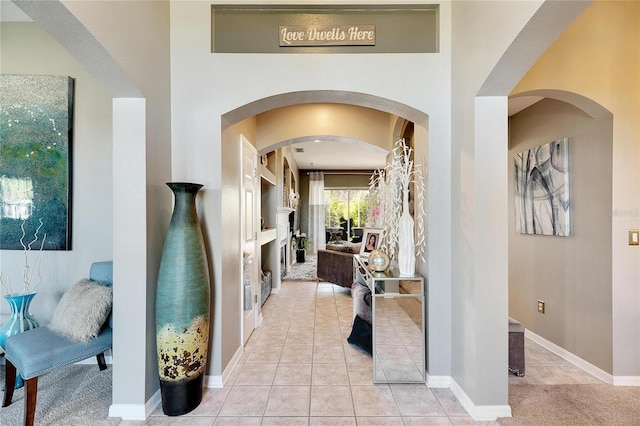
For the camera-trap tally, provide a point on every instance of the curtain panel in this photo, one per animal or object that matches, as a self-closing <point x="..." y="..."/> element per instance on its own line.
<point x="316" y="211"/>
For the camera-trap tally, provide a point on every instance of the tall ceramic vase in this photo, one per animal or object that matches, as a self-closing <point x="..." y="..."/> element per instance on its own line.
<point x="21" y="320"/>
<point x="182" y="306"/>
<point x="406" y="241"/>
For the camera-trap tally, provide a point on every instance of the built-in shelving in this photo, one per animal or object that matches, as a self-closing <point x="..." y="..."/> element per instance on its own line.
<point x="267" y="238"/>
<point x="268" y="203"/>
<point x="267" y="235"/>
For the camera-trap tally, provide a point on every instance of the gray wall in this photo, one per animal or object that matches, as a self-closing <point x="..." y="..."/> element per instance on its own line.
<point x="27" y="49"/>
<point x="347" y="180"/>
<point x="571" y="274"/>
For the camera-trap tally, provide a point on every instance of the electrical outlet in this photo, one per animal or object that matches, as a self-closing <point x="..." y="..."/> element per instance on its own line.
<point x="541" y="306"/>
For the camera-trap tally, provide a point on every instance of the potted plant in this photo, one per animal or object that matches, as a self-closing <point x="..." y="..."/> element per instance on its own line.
<point x="301" y="245"/>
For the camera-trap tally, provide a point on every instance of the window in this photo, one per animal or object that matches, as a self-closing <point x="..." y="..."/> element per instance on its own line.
<point x="345" y="210"/>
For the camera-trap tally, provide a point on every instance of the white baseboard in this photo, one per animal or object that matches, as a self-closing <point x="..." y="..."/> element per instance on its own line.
<point x="128" y="411"/>
<point x="214" y="382"/>
<point x="219" y="381"/>
<point x="582" y="364"/>
<point x="153" y="403"/>
<point x="626" y="380"/>
<point x="570" y="357"/>
<point x="136" y="411"/>
<point x="438" y="381"/>
<point x="479" y="412"/>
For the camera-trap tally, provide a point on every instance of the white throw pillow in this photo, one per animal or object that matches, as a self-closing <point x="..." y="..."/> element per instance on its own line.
<point x="82" y="310"/>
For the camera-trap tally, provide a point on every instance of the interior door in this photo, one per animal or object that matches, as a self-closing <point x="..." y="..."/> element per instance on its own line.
<point x="249" y="235"/>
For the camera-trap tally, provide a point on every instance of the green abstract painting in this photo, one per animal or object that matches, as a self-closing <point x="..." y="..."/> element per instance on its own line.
<point x="36" y="116"/>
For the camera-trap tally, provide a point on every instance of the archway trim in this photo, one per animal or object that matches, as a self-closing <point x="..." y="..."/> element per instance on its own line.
<point x="589" y="106"/>
<point x="325" y="96"/>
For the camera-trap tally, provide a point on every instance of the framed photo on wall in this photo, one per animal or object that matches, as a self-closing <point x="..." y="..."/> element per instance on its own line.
<point x="371" y="239"/>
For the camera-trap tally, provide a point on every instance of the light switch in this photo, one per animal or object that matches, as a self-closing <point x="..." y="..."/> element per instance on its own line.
<point x="634" y="237"/>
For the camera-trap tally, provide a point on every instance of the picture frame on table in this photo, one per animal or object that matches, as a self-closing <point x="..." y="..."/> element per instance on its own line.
<point x="371" y="239"/>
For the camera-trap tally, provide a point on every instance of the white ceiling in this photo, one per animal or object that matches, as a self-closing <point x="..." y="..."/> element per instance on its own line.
<point x="338" y="155"/>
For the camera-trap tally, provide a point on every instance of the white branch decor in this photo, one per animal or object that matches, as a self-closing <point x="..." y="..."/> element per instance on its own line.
<point x="391" y="185"/>
<point x="28" y="285"/>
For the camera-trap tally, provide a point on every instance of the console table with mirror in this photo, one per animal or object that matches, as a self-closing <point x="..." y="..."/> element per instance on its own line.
<point x="398" y="323"/>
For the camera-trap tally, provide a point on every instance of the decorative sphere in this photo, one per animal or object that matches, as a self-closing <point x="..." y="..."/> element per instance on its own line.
<point x="378" y="261"/>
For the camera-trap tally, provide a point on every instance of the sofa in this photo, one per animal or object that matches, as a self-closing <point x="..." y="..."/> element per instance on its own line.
<point x="335" y="264"/>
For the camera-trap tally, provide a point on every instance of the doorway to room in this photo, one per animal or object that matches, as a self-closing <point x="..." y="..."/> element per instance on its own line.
<point x="400" y="113"/>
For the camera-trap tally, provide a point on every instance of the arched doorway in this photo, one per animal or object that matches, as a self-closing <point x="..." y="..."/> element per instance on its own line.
<point x="401" y="115"/>
<point x="575" y="290"/>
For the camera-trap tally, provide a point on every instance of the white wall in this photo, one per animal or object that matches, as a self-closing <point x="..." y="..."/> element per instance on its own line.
<point x="207" y="86"/>
<point x="136" y="36"/>
<point x="27" y="49"/>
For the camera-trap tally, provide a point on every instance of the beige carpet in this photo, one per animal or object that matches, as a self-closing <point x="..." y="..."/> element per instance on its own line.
<point x="76" y="395"/>
<point x="583" y="405"/>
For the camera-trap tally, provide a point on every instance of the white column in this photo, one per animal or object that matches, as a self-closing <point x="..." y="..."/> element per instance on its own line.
<point x="491" y="295"/>
<point x="129" y="259"/>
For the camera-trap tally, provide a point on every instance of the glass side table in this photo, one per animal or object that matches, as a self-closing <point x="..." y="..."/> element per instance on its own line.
<point x="398" y="323"/>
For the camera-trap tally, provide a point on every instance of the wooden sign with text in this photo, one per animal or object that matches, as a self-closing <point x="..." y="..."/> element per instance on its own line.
<point x="327" y="35"/>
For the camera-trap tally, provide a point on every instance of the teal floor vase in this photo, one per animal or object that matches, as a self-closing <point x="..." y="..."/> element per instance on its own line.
<point x="182" y="306"/>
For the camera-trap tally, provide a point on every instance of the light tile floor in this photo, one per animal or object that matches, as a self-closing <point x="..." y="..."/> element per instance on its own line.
<point x="298" y="369"/>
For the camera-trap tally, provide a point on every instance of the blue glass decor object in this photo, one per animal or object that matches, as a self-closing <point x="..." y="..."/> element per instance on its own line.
<point x="21" y="320"/>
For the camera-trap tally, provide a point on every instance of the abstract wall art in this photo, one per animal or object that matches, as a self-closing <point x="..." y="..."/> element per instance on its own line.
<point x="36" y="116"/>
<point x="542" y="203"/>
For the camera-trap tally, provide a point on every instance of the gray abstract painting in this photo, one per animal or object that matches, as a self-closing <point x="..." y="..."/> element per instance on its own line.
<point x="542" y="189"/>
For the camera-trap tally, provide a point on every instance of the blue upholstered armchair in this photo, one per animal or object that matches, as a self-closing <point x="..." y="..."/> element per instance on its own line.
<point x="41" y="350"/>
